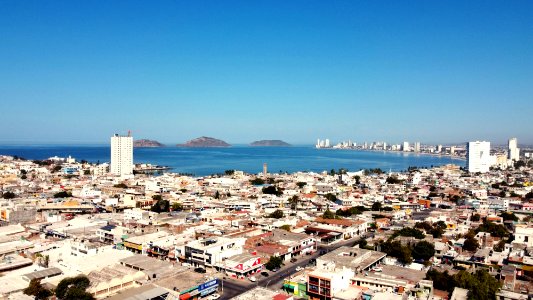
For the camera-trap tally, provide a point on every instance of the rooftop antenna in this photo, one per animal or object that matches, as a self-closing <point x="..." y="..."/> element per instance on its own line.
<point x="129" y="133"/>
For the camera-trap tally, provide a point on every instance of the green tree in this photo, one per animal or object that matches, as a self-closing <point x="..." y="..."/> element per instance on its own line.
<point x="475" y="218"/>
<point x="71" y="288"/>
<point x="177" y="206"/>
<point x="496" y="230"/>
<point x="274" y="262"/>
<point x="257" y="181"/>
<point x="285" y="227"/>
<point x="301" y="184"/>
<point x="121" y="185"/>
<point x="509" y="216"/>
<point x="393" y="180"/>
<point x="408" y="231"/>
<point x="229" y="172"/>
<point x="272" y="190"/>
<point x="294" y="200"/>
<point x="376" y="206"/>
<point x="470" y="244"/>
<point x="328" y="214"/>
<point x="62" y="194"/>
<point x="331" y="197"/>
<point x="423" y="250"/>
<point x="36" y="289"/>
<point x="217" y="195"/>
<point x="395" y="249"/>
<point x="500" y="246"/>
<point x="9" y="195"/>
<point x="161" y="206"/>
<point x="157" y="197"/>
<point x="277" y="214"/>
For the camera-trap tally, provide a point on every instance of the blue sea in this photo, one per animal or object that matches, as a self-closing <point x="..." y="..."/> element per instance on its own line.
<point x="206" y="161"/>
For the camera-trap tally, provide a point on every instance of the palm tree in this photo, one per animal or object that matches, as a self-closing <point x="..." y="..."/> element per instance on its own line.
<point x="294" y="202"/>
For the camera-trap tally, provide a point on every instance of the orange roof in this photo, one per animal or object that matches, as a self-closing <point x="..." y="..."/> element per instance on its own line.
<point x="342" y="222"/>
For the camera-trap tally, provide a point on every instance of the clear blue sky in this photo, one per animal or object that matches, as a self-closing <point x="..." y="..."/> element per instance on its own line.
<point x="429" y="71"/>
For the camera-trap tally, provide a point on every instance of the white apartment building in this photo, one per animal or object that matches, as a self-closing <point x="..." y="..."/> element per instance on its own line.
<point x="513" y="151"/>
<point x="213" y="250"/>
<point x="405" y="146"/>
<point x="121" y="155"/>
<point x="478" y="156"/>
<point x="417" y="146"/>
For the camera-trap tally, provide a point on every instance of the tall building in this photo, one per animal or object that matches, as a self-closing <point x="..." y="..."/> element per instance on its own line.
<point x="417" y="146"/>
<point x="405" y="146"/>
<point x="478" y="156"/>
<point x="327" y="143"/>
<point x="122" y="155"/>
<point x="513" y="151"/>
<point x="439" y="148"/>
<point x="265" y="170"/>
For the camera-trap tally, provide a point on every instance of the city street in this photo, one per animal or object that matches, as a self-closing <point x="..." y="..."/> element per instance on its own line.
<point x="233" y="287"/>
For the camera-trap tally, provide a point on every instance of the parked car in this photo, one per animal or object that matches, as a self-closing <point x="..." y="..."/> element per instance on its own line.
<point x="253" y="279"/>
<point x="264" y="273"/>
<point x="293" y="260"/>
<point x="275" y="269"/>
<point x="298" y="269"/>
<point x="200" y="270"/>
<point x="214" y="297"/>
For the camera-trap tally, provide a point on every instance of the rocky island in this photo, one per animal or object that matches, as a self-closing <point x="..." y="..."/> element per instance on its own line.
<point x="205" y="141"/>
<point x="144" y="143"/>
<point x="270" y="143"/>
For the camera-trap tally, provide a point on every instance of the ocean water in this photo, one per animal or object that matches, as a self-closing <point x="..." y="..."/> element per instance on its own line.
<point x="206" y="161"/>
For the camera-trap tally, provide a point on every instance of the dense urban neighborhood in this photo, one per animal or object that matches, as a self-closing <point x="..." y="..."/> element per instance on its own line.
<point x="78" y="230"/>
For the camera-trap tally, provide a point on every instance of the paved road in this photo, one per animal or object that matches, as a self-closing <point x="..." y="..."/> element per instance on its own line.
<point x="233" y="287"/>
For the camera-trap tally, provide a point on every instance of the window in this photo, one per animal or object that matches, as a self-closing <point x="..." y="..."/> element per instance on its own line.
<point x="313" y="280"/>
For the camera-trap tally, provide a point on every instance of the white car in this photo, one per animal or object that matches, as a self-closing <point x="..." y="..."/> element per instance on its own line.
<point x="214" y="297"/>
<point x="298" y="269"/>
<point x="252" y="279"/>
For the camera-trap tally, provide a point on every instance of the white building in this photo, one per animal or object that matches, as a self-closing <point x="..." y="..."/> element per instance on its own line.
<point x="524" y="235"/>
<point x="513" y="152"/>
<point x="478" y="156"/>
<point x="405" y="146"/>
<point x="121" y="155"/>
<point x="212" y="251"/>
<point x="417" y="146"/>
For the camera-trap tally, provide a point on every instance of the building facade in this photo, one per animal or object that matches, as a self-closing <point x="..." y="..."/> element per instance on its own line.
<point x="121" y="155"/>
<point x="478" y="156"/>
<point x="513" y="151"/>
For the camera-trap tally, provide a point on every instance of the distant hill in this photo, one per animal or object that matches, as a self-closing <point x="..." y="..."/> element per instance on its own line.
<point x="270" y="143"/>
<point x="144" y="143"/>
<point x="205" y="141"/>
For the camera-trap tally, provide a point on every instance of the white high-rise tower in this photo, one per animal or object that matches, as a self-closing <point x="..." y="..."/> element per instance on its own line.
<point x="513" y="151"/>
<point x="122" y="155"/>
<point x="478" y="156"/>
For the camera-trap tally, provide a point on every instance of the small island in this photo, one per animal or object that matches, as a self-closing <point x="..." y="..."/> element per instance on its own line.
<point x="144" y="143"/>
<point x="270" y="143"/>
<point x="204" y="141"/>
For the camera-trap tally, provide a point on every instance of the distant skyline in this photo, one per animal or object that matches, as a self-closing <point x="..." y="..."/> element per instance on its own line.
<point x="240" y="71"/>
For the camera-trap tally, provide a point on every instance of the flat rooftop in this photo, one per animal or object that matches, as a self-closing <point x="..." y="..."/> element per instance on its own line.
<point x="353" y="258"/>
<point x="257" y="293"/>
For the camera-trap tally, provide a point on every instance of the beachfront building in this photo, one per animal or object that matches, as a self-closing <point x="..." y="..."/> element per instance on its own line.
<point x="478" y="157"/>
<point x="121" y="155"/>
